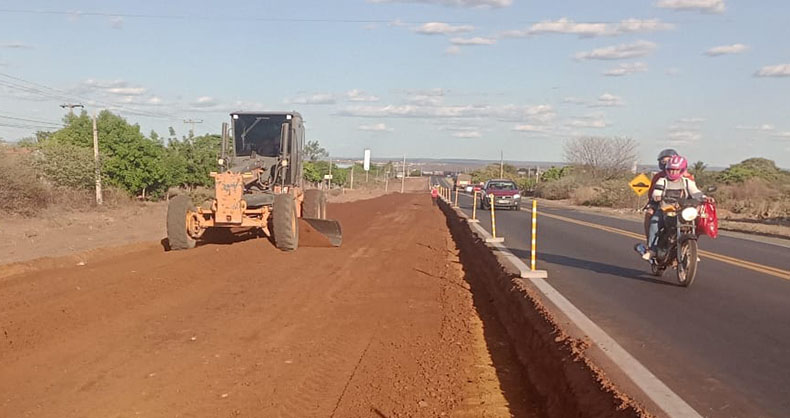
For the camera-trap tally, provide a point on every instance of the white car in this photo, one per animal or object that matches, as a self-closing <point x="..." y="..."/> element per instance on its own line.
<point x="469" y="188"/>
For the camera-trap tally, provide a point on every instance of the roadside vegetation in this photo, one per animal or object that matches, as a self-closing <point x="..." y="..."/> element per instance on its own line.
<point x="57" y="168"/>
<point x="599" y="169"/>
<point x="754" y="188"/>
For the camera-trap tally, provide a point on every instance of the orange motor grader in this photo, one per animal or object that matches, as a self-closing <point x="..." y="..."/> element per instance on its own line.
<point x="259" y="187"/>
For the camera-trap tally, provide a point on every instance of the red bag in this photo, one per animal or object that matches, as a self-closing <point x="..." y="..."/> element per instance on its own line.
<point x="708" y="221"/>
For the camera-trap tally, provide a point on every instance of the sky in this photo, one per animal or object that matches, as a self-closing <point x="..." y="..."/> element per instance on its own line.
<point x="421" y="78"/>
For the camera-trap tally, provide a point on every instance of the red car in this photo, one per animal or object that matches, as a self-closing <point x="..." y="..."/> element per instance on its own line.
<point x="505" y="193"/>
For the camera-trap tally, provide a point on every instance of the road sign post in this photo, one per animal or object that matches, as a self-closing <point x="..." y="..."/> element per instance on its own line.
<point x="493" y="238"/>
<point x="474" y="208"/>
<point x="533" y="273"/>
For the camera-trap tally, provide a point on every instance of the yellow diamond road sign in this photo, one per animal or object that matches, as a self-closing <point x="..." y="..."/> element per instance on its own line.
<point x="640" y="184"/>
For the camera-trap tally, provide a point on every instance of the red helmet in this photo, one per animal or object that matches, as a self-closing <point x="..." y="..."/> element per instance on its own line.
<point x="676" y="167"/>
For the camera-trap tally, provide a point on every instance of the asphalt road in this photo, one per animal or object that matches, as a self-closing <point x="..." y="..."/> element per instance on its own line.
<point x="722" y="344"/>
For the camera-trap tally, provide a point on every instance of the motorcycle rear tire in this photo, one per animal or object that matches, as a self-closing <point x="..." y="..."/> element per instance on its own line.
<point x="687" y="262"/>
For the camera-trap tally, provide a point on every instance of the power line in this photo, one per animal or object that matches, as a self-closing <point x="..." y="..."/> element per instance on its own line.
<point x="293" y="20"/>
<point x="31" y="120"/>
<point x="58" y="94"/>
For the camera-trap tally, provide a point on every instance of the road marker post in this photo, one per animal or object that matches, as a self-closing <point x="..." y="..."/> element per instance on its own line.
<point x="474" y="209"/>
<point x="534" y="274"/>
<point x="456" y="198"/>
<point x="493" y="238"/>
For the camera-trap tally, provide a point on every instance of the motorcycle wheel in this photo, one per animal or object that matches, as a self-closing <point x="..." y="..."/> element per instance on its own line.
<point x="656" y="270"/>
<point x="687" y="262"/>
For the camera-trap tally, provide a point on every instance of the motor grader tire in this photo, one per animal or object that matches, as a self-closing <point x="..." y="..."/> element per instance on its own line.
<point x="284" y="222"/>
<point x="177" y="236"/>
<point x="314" y="205"/>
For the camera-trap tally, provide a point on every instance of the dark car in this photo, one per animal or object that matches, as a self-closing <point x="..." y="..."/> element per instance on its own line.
<point x="505" y="193"/>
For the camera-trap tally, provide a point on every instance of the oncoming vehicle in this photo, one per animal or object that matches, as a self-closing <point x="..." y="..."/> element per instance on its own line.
<point x="469" y="188"/>
<point x="505" y="193"/>
<point x="260" y="187"/>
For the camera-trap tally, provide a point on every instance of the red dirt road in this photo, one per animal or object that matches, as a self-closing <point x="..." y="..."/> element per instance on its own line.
<point x="384" y="326"/>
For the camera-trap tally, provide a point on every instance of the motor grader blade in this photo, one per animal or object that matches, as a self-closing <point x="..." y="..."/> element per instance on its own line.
<point x="319" y="233"/>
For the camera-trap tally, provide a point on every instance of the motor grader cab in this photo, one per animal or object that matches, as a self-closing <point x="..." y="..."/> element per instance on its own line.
<point x="259" y="187"/>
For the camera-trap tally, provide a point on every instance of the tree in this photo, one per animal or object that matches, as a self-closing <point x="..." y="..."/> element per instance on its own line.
<point x="129" y="159"/>
<point x="698" y="168"/>
<point x="753" y="167"/>
<point x="313" y="151"/>
<point x="602" y="157"/>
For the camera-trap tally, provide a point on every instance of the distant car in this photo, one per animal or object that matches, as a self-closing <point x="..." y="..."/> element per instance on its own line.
<point x="478" y="187"/>
<point x="505" y="193"/>
<point x="469" y="188"/>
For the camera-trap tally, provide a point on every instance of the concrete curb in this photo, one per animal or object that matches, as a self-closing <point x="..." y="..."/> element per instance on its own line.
<point x="653" y="390"/>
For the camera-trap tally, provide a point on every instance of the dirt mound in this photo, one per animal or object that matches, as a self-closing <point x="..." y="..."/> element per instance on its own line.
<point x="383" y="326"/>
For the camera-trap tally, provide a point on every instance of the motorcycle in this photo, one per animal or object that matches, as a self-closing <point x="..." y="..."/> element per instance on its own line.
<point x="677" y="239"/>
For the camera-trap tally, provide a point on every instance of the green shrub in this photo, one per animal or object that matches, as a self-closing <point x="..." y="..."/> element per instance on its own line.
<point x="65" y="165"/>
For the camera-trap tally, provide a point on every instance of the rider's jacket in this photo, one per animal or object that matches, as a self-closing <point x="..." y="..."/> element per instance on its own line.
<point x="660" y="175"/>
<point x="683" y="187"/>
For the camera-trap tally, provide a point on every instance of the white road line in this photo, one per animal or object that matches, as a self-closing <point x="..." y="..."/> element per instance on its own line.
<point x="658" y="392"/>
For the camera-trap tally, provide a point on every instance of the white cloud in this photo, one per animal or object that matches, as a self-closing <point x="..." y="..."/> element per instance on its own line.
<point x="478" y="40"/>
<point x="608" y="100"/>
<point x="705" y="6"/>
<point x="643" y="25"/>
<point x="469" y="134"/>
<point x="615" y="52"/>
<point x="205" y="101"/>
<point x="397" y="23"/>
<point x="15" y="45"/>
<point x="439" y="28"/>
<point x="726" y="49"/>
<point x="673" y="72"/>
<point x="453" y="50"/>
<point x="780" y="70"/>
<point x="766" y="127"/>
<point x="454" y="3"/>
<point x="529" y="128"/>
<point x="679" y="137"/>
<point x="355" y="95"/>
<point x="592" y="29"/>
<point x="574" y="100"/>
<point x="626" y="69"/>
<point x="378" y="127"/>
<point x="590" y="121"/>
<point x="126" y="91"/>
<point x="692" y="120"/>
<point x="116" y="22"/>
<point x="538" y="114"/>
<point x="314" y="99"/>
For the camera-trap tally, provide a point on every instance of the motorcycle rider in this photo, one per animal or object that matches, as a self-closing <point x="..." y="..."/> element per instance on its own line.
<point x="674" y="184"/>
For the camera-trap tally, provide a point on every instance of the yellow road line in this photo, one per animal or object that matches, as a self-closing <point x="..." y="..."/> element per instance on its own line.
<point x="772" y="271"/>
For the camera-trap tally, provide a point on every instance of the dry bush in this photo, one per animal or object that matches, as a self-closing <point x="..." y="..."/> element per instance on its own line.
<point x="754" y="197"/>
<point x="602" y="157"/>
<point x="584" y="195"/>
<point x="557" y="189"/>
<point x="21" y="192"/>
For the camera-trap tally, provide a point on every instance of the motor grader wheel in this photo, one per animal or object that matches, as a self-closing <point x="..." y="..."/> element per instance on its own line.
<point x="314" y="205"/>
<point x="284" y="222"/>
<point x="179" y="222"/>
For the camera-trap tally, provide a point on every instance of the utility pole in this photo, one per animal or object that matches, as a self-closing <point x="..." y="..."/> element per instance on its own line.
<point x="501" y="164"/>
<point x="403" y="179"/>
<point x="352" y="176"/>
<point x="193" y="122"/>
<point x="71" y="107"/>
<point x="330" y="173"/>
<point x="97" y="166"/>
